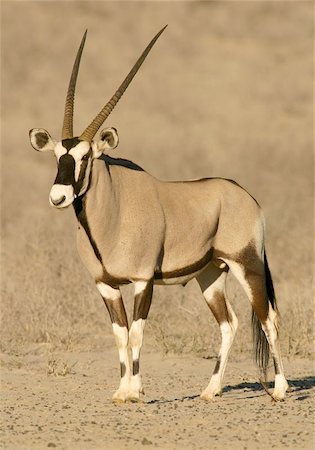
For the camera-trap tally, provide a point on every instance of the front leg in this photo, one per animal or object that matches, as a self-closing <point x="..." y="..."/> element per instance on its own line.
<point x="143" y="297"/>
<point x="114" y="303"/>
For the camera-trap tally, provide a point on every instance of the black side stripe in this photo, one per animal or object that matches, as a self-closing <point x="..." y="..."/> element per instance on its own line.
<point x="79" y="209"/>
<point x="195" y="267"/>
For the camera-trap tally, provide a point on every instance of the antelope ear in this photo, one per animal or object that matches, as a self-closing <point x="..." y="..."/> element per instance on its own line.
<point x="41" y="140"/>
<point x="109" y="141"/>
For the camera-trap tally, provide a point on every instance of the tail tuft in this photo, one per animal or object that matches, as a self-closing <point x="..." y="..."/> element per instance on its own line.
<point x="261" y="345"/>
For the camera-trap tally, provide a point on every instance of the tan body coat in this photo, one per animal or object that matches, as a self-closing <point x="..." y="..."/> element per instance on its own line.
<point x="177" y="223"/>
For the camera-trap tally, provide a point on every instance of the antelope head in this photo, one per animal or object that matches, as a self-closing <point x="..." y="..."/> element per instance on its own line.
<point x="74" y="155"/>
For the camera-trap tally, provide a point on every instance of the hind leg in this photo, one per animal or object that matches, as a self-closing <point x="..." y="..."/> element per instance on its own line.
<point x="271" y="331"/>
<point x="249" y="269"/>
<point x="212" y="284"/>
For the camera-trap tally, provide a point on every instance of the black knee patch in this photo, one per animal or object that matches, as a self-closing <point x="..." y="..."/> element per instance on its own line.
<point x="143" y="302"/>
<point x="135" y="367"/>
<point x="122" y="369"/>
<point x="217" y="366"/>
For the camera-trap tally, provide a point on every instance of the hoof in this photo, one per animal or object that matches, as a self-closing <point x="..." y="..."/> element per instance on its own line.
<point x="210" y="395"/>
<point x="281" y="387"/>
<point x="133" y="397"/>
<point x="119" y="397"/>
<point x="278" y="396"/>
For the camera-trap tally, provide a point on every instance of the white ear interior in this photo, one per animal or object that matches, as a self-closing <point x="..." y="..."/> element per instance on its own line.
<point x="109" y="137"/>
<point x="109" y="140"/>
<point x="41" y="140"/>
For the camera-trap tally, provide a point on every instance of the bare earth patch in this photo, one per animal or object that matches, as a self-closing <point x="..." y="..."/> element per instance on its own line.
<point x="64" y="401"/>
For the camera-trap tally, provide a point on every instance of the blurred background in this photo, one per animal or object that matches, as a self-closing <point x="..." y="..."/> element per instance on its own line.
<point x="227" y="91"/>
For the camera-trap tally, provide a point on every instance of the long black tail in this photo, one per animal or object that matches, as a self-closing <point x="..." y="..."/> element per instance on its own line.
<point x="261" y="346"/>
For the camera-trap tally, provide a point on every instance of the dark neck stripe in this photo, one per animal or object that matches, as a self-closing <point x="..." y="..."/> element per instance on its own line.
<point x="79" y="209"/>
<point x="78" y="185"/>
<point x="109" y="161"/>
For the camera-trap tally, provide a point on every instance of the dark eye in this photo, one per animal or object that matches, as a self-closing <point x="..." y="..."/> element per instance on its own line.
<point x="86" y="157"/>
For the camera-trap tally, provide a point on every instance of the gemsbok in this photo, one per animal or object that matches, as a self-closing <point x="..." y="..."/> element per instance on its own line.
<point x="134" y="228"/>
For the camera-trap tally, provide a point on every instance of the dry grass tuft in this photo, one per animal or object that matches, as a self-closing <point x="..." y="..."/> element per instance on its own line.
<point x="59" y="368"/>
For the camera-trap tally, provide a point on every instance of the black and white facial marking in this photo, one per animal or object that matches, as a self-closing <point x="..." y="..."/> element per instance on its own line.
<point x="74" y="159"/>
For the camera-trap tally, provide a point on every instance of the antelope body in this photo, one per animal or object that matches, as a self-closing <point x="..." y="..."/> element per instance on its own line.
<point x="133" y="228"/>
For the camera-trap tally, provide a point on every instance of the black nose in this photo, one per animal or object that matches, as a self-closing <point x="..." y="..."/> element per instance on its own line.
<point x="59" y="201"/>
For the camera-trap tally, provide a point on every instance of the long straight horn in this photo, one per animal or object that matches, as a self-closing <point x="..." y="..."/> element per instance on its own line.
<point x="67" y="128"/>
<point x="91" y="130"/>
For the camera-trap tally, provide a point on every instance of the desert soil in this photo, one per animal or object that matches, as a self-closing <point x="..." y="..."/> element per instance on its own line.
<point x="64" y="401"/>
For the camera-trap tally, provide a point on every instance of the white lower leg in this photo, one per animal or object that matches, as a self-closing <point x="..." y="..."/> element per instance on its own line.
<point x="228" y="330"/>
<point x="270" y="329"/>
<point x="135" y="343"/>
<point x="121" y="337"/>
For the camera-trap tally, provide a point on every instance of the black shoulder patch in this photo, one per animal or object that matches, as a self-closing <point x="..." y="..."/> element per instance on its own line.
<point x="120" y="162"/>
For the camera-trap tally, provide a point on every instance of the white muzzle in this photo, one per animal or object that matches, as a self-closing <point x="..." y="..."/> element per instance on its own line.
<point x="61" y="195"/>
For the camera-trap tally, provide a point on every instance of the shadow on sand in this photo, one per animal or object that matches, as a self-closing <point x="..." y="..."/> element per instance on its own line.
<point x="299" y="384"/>
<point x="296" y="385"/>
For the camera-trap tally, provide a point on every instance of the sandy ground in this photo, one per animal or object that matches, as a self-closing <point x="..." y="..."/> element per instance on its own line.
<point x="44" y="406"/>
<point x="227" y="91"/>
